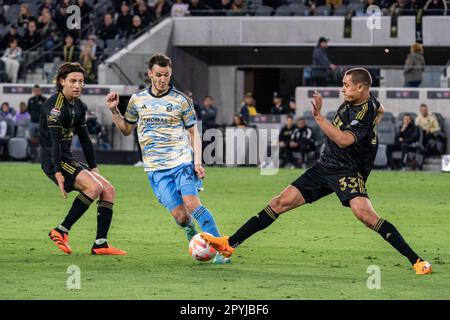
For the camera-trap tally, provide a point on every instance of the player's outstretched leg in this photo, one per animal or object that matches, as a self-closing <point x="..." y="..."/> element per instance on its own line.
<point x="184" y="220"/>
<point x="104" y="217"/>
<point x="363" y="210"/>
<point x="289" y="199"/>
<point x="89" y="190"/>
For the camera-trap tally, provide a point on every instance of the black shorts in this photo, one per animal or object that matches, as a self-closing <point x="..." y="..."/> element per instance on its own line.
<point x="318" y="182"/>
<point x="70" y="168"/>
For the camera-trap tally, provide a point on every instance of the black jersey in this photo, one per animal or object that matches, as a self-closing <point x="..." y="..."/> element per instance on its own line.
<point x="359" y="120"/>
<point x="59" y="120"/>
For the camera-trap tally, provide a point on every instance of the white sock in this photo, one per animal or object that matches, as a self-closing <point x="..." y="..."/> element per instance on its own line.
<point x="100" y="241"/>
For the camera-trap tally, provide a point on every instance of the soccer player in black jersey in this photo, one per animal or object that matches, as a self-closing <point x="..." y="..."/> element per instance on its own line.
<point x="343" y="169"/>
<point x="62" y="115"/>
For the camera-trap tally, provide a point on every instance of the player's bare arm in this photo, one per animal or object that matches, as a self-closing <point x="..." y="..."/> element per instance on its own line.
<point x="380" y="114"/>
<point x="112" y="101"/>
<point x="196" y="144"/>
<point x="341" y="138"/>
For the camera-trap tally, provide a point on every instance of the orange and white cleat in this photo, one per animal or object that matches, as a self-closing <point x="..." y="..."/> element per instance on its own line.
<point x="109" y="250"/>
<point x="61" y="240"/>
<point x="219" y="243"/>
<point x="422" y="267"/>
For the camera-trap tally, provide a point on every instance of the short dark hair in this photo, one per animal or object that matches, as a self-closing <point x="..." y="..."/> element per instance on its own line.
<point x="423" y="105"/>
<point x="290" y="117"/>
<point x="160" y="59"/>
<point x="360" y="75"/>
<point x="65" y="69"/>
<point x="36" y="86"/>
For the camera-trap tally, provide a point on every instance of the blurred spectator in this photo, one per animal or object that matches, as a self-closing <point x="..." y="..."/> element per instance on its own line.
<point x="85" y="9"/>
<point x="70" y="52"/>
<point x="313" y="4"/>
<point x="22" y="121"/>
<point x="414" y="66"/>
<point x="406" y="140"/>
<point x="87" y="61"/>
<point x="48" y="4"/>
<point x="237" y="122"/>
<point x="400" y="7"/>
<point x="292" y="106"/>
<point x="197" y="8"/>
<point x="434" y="139"/>
<point x="237" y="8"/>
<point x="284" y="139"/>
<point x="144" y="12"/>
<point x="108" y="30"/>
<point x="136" y="27"/>
<point x="278" y="106"/>
<point x="124" y="19"/>
<point x="161" y="8"/>
<point x="179" y="9"/>
<point x="321" y="63"/>
<point x="435" y="7"/>
<point x="61" y="19"/>
<point x="248" y="108"/>
<point x="302" y="142"/>
<point x="31" y="37"/>
<point x="6" y="112"/>
<point x="49" y="30"/>
<point x="12" y="34"/>
<point x="197" y="107"/>
<point x="221" y="7"/>
<point x="12" y="58"/>
<point x="24" y="15"/>
<point x="96" y="51"/>
<point x="34" y="108"/>
<point x="208" y="114"/>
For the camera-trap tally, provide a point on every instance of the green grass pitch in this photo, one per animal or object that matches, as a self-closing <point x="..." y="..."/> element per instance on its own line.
<point x="318" y="251"/>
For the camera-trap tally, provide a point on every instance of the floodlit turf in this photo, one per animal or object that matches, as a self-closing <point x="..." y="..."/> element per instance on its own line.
<point x="319" y="251"/>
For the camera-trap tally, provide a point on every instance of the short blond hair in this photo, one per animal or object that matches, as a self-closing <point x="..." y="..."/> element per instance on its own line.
<point x="417" y="48"/>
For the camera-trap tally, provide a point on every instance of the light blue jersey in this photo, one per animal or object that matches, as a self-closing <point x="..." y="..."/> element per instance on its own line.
<point x="161" y="127"/>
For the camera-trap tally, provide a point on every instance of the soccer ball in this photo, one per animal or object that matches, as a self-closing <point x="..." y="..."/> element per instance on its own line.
<point x="200" y="250"/>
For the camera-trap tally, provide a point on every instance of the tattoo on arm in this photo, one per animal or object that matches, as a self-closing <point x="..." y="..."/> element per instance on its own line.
<point x="115" y="111"/>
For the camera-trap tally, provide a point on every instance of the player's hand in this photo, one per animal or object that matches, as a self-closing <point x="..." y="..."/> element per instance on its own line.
<point x="200" y="171"/>
<point x="60" y="179"/>
<point x="112" y="100"/>
<point x="316" y="103"/>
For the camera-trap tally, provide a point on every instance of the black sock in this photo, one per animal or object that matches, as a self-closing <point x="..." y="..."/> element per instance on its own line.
<point x="104" y="217"/>
<point x="257" y="223"/>
<point x="391" y="235"/>
<point x="79" y="207"/>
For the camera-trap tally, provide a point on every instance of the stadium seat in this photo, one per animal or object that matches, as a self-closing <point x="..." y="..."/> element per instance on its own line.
<point x="341" y="10"/>
<point x="441" y="121"/>
<point x="388" y="116"/>
<point x="283" y="10"/>
<point x="381" y="157"/>
<point x="264" y="11"/>
<point x="386" y="132"/>
<point x="298" y="9"/>
<point x="322" y="11"/>
<point x="18" y="148"/>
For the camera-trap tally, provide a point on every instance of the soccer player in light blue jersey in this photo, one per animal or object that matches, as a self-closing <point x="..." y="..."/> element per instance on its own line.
<point x="171" y="146"/>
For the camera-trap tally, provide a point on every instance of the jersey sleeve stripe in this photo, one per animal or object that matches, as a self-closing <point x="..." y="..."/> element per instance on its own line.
<point x="184" y="96"/>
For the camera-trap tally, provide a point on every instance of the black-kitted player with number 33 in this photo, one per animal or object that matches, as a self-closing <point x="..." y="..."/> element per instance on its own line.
<point x="343" y="169"/>
<point x="62" y="115"/>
